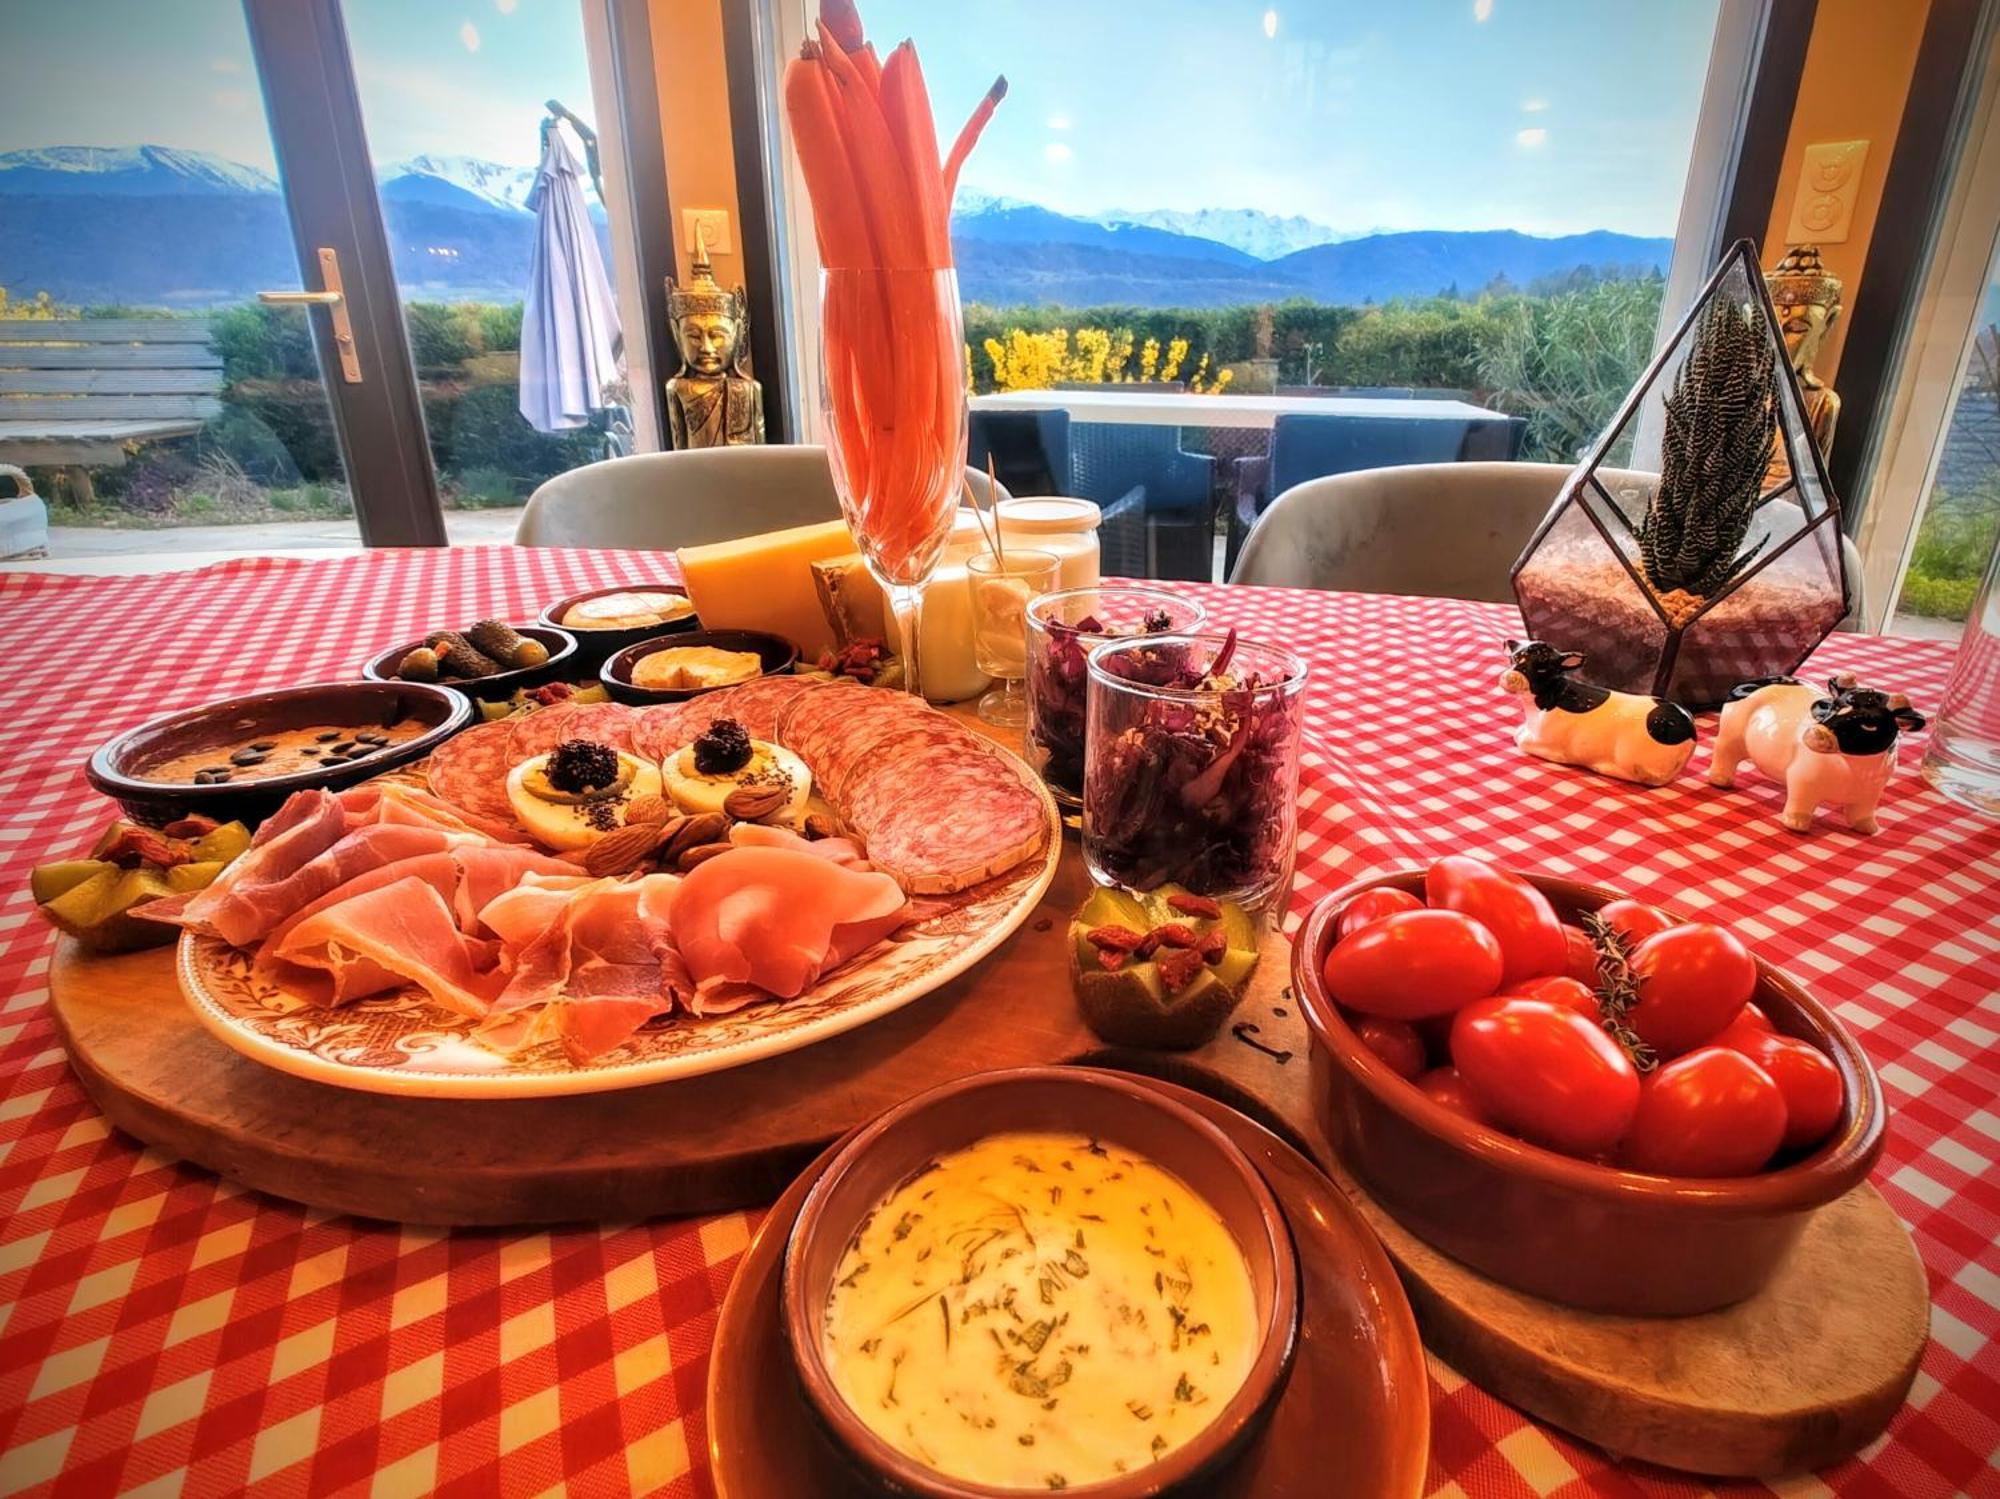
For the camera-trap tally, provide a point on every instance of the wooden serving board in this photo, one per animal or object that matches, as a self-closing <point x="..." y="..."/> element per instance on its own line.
<point x="728" y="1139"/>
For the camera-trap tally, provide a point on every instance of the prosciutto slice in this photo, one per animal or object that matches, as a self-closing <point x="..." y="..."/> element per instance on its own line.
<point x="595" y="962"/>
<point x="237" y="906"/>
<point x="394" y="802"/>
<point x="467" y="876"/>
<point x="775" y="919"/>
<point x="398" y="933"/>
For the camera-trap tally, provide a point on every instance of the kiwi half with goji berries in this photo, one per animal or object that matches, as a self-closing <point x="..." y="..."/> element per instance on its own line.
<point x="1163" y="969"/>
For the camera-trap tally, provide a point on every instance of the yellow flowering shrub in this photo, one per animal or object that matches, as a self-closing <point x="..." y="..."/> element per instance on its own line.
<point x="1088" y="356"/>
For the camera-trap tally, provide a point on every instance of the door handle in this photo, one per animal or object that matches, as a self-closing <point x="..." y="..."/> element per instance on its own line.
<point x="334" y="299"/>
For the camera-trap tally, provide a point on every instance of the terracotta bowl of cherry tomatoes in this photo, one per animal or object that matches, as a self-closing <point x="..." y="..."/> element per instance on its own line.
<point x="1636" y="1119"/>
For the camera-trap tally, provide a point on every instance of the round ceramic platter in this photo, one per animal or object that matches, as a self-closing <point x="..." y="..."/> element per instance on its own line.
<point x="402" y="1043"/>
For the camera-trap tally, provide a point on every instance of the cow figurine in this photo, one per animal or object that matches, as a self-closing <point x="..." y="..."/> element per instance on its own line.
<point x="1623" y="734"/>
<point x="1833" y="746"/>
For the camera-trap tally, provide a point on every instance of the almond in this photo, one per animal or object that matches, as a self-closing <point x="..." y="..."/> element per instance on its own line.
<point x="819" y="825"/>
<point x="701" y="853"/>
<point x="754" y="803"/>
<point x="622" y="850"/>
<point x="649" y="809"/>
<point x="692" y="832"/>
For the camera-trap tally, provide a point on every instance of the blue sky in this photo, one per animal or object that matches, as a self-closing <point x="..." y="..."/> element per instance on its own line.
<point x="445" y="76"/>
<point x="1550" y="116"/>
<point x="1363" y="114"/>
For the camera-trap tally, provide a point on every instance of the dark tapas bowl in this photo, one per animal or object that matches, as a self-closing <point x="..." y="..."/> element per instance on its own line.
<point x="1568" y="1230"/>
<point x="1068" y="1100"/>
<point x="777" y="654"/>
<point x="560" y="666"/>
<point x="118" y="768"/>
<point x="595" y="647"/>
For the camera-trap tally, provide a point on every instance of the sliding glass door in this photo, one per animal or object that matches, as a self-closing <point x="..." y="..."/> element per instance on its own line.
<point x="264" y="266"/>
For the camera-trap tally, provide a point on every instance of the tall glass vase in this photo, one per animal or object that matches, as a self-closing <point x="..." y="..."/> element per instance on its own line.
<point x="1963" y="760"/>
<point x="893" y="391"/>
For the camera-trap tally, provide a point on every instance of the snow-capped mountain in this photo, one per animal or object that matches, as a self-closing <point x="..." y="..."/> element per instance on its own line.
<point x="493" y="183"/>
<point x="1266" y="236"/>
<point x="126" y="171"/>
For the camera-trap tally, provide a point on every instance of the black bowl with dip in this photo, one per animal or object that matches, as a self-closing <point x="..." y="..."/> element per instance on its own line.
<point x="594" y="646"/>
<point x="222" y="733"/>
<point x="1110" y="1109"/>
<point x="775" y="654"/>
<point x="560" y="667"/>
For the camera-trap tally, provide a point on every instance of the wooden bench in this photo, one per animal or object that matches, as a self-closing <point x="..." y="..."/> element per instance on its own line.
<point x="74" y="393"/>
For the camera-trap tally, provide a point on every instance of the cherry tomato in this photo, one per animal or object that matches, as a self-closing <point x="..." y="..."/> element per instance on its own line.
<point x="1515" y="912"/>
<point x="1750" y="1025"/>
<point x="1579" y="955"/>
<point x="1753" y="1014"/>
<point x="1713" y="1112"/>
<point x="1634" y="920"/>
<point x="1373" y="905"/>
<point x="1561" y="989"/>
<point x="1693" y="980"/>
<point x="1807" y="1080"/>
<point x="1445" y="1086"/>
<point x="1396" y="1042"/>
<point x="1414" y="963"/>
<point x="1546" y="1073"/>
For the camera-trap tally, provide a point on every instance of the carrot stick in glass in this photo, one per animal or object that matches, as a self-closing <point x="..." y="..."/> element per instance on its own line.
<point x="907" y="108"/>
<point x="843" y="231"/>
<point x="969" y="136"/>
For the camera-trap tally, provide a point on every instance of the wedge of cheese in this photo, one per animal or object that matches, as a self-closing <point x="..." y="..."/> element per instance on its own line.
<point x="766" y="583"/>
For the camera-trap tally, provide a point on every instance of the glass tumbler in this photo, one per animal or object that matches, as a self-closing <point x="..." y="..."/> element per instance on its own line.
<point x="1191" y="772"/>
<point x="1063" y="628"/>
<point x="1000" y="588"/>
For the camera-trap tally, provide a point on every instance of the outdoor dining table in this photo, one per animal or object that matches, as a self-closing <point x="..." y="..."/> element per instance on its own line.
<point x="163" y="1330"/>
<point x="1177" y="408"/>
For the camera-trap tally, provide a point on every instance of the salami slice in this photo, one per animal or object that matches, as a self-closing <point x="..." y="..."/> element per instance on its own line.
<point x="656" y="732"/>
<point x="920" y="762"/>
<point x="661" y="730"/>
<point x="965" y="824"/>
<point x="538" y="732"/>
<point x="470" y="769"/>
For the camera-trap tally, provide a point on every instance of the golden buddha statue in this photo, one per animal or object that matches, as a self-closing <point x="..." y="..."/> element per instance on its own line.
<point x="711" y="402"/>
<point x="1807" y="298"/>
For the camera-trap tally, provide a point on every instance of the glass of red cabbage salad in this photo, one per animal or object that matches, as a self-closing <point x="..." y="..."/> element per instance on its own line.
<point x="1192" y="764"/>
<point x="1063" y="628"/>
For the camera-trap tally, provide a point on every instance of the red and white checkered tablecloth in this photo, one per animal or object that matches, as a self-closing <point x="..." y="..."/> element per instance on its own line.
<point x="162" y="1331"/>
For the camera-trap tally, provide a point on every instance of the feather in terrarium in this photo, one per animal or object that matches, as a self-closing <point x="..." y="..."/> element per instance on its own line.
<point x="1721" y="420"/>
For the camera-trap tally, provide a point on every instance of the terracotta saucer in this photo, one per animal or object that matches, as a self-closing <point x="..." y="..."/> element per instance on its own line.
<point x="1354" y="1420"/>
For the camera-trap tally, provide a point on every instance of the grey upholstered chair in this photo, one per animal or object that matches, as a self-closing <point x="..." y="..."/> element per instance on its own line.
<point x="665" y="500"/>
<point x="1436" y="530"/>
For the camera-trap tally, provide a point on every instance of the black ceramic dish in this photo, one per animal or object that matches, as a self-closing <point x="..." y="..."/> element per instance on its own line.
<point x="594" y="647"/>
<point x="118" y="768"/>
<point x="778" y="654"/>
<point x="560" y="667"/>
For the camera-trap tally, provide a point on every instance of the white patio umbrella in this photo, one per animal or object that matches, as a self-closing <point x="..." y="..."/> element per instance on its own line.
<point x="571" y="341"/>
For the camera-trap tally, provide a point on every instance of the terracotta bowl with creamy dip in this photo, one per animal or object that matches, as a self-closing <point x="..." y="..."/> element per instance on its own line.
<point x="596" y="642"/>
<point x="1078" y="1284"/>
<point x="152" y="770"/>
<point x="775" y="656"/>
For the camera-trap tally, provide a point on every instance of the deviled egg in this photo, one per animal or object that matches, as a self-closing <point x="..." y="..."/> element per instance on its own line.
<point x="578" y="792"/>
<point x="700" y="776"/>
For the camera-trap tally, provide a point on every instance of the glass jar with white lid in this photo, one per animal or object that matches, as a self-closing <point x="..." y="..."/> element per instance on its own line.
<point x="1059" y="524"/>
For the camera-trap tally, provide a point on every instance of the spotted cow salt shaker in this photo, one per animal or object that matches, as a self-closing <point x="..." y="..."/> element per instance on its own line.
<point x="1623" y="734"/>
<point x="1835" y="746"/>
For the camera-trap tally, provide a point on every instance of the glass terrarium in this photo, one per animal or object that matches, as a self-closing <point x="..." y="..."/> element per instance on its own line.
<point x="1698" y="545"/>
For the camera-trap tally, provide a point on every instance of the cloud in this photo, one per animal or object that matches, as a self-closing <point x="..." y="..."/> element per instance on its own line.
<point x="1482" y="10"/>
<point x="1533" y="106"/>
<point x="1270" y="23"/>
<point x="1059" y="122"/>
<point x="225" y="65"/>
<point x="469" y="35"/>
<point x="506" y="7"/>
<point x="230" y="98"/>
<point x="1056" y="151"/>
<point x="1533" y="136"/>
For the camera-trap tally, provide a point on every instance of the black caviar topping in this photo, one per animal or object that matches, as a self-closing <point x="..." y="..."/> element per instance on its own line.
<point x="577" y="765"/>
<point x="724" y="747"/>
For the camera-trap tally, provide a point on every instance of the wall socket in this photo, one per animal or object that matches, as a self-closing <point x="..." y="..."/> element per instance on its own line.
<point x="1829" y="182"/>
<point x="714" y="223"/>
